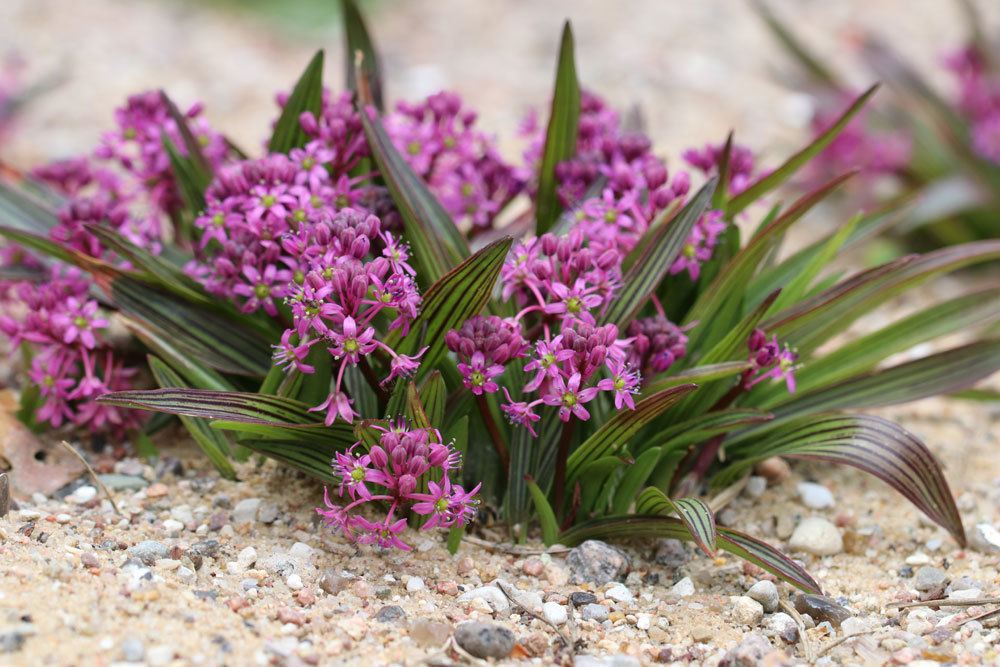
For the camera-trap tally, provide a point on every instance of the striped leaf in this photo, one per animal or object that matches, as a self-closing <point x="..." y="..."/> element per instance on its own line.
<point x="194" y="372"/>
<point x="739" y="544"/>
<point x="433" y="396"/>
<point x="775" y="178"/>
<point x="24" y="210"/>
<point x="698" y="374"/>
<point x="706" y="425"/>
<point x="615" y="433"/>
<point x="696" y="515"/>
<point x="212" y="442"/>
<point x="357" y="39"/>
<point x="561" y="135"/>
<point x="666" y="242"/>
<point x="868" y="443"/>
<point x="460" y="294"/>
<point x="436" y="242"/>
<point x="212" y="338"/>
<point x="102" y="271"/>
<point x="307" y="95"/>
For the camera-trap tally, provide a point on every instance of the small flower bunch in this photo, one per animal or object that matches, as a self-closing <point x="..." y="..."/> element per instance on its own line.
<point x="769" y="360"/>
<point x="410" y="470"/>
<point x="341" y="292"/>
<point x="978" y="98"/>
<point x="71" y="362"/>
<point x="460" y="163"/>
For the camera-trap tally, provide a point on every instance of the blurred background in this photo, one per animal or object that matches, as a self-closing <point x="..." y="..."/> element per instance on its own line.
<point x="696" y="67"/>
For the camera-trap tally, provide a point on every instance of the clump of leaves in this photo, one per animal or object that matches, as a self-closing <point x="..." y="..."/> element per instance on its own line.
<point x="598" y="340"/>
<point x="938" y="151"/>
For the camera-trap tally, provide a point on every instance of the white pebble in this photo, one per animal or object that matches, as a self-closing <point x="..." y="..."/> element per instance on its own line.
<point x="247" y="557"/>
<point x="415" y="584"/>
<point x="816" y="536"/>
<point x="683" y="588"/>
<point x="965" y="594"/>
<point x="766" y="593"/>
<point x="82" y="495"/>
<point x="554" y="613"/>
<point x="168" y="564"/>
<point x="63" y="518"/>
<point x="918" y="558"/>
<point x="815" y="496"/>
<point x="294" y="582"/>
<point x="158" y="656"/>
<point x="643" y="622"/>
<point x="300" y="550"/>
<point x="173" y="527"/>
<point x="619" y="593"/>
<point x="756" y="486"/>
<point x="747" y="611"/>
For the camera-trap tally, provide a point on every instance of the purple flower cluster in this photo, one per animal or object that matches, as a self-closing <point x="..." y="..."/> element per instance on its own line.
<point x="338" y="291"/>
<point x="338" y="138"/>
<point x="656" y="344"/>
<point x="410" y="471"/>
<point x="978" y="99"/>
<point x="484" y="346"/>
<point x="708" y="160"/>
<point x="862" y="144"/>
<point x="700" y="244"/>
<point x="137" y="145"/>
<point x="769" y="360"/>
<point x="561" y="276"/>
<point x="460" y="163"/>
<point x="71" y="363"/>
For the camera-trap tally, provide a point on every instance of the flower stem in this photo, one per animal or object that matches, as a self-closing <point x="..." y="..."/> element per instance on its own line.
<point x="369" y="375"/>
<point x="562" y="455"/>
<point x="494" y="431"/>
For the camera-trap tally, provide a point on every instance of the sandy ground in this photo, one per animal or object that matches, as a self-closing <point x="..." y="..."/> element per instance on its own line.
<point x="69" y="594"/>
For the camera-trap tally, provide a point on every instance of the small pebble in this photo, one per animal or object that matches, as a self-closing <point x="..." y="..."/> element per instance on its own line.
<point x="89" y="560"/>
<point x="332" y="583"/>
<point x="173" y="527"/>
<point x="157" y="490"/>
<point x="815" y="496"/>
<point x="492" y="595"/>
<point x="149" y="551"/>
<point x="784" y="626"/>
<point x="756" y="486"/>
<point x="774" y="469"/>
<point x="766" y="593"/>
<point x="683" y="588"/>
<point x="246" y="510"/>
<point x="747" y="611"/>
<point x="928" y="578"/>
<point x="816" y="536"/>
<point x="159" y="656"/>
<point x="751" y="650"/>
<point x="247" y="557"/>
<point x="294" y="582"/>
<point x="427" y="633"/>
<point x="415" y="584"/>
<point x="597" y="562"/>
<point x="580" y="598"/>
<point x="554" y="613"/>
<point x="918" y="558"/>
<point x="594" y="612"/>
<point x="965" y="594"/>
<point x="584" y="660"/>
<point x="821" y="608"/>
<point x="390" y="613"/>
<point x="485" y="640"/>
<point x="671" y="552"/>
<point x="984" y="537"/>
<point x="619" y="593"/>
<point x="83" y="494"/>
<point x="133" y="650"/>
<point x="267" y="513"/>
<point x="533" y="567"/>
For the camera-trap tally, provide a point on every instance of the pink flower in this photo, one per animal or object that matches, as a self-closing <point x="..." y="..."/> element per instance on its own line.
<point x="569" y="397"/>
<point x="78" y="322"/>
<point x="402" y="365"/>
<point x="700" y="244"/>
<point x="291" y="356"/>
<point x="624" y="382"/>
<point x="351" y="345"/>
<point x="520" y="412"/>
<point x="477" y="376"/>
<point x="337" y="404"/>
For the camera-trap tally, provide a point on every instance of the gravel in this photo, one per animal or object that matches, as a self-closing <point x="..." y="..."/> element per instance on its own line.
<point x="390" y="613"/>
<point x="619" y="594"/>
<point x="415" y="584"/>
<point x="149" y="551"/>
<point x="492" y="595"/>
<point x="815" y="496"/>
<point x="554" y="613"/>
<point x="594" y="612"/>
<point x="597" y="562"/>
<point x="929" y="578"/>
<point x="783" y="626"/>
<point x="485" y="640"/>
<point x="683" y="588"/>
<point x="133" y="650"/>
<point x="581" y="598"/>
<point x="246" y="511"/>
<point x="747" y="611"/>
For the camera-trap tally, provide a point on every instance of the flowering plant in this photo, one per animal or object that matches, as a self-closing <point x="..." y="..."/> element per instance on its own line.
<point x="938" y="153"/>
<point x="358" y="293"/>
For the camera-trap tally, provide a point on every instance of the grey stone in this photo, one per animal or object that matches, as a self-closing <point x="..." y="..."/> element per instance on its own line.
<point x="390" y="613"/>
<point x="815" y="496"/>
<point x="149" y="551"/>
<point x="485" y="640"/>
<point x="205" y="548"/>
<point x="928" y="578"/>
<point x="117" y="482"/>
<point x="491" y="594"/>
<point x="246" y="510"/>
<point x="683" y="588"/>
<point x="671" y="552"/>
<point x="581" y="598"/>
<point x="747" y="611"/>
<point x="766" y="593"/>
<point x="597" y="562"/>
<point x="821" y="608"/>
<point x="12" y="639"/>
<point x="133" y="650"/>
<point x="748" y="653"/>
<point x="756" y="486"/>
<point x="268" y="513"/>
<point x="783" y="626"/>
<point x="594" y="612"/>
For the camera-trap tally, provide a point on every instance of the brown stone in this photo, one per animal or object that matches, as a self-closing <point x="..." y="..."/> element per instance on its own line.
<point x="774" y="469"/>
<point x="289" y="615"/>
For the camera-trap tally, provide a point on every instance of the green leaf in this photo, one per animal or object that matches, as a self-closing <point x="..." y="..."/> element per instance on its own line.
<point x="546" y="517"/>
<point x="696" y="515"/>
<point x="652" y="266"/>
<point x="357" y="38"/>
<point x="809" y="62"/>
<point x="433" y="396"/>
<point x="450" y="301"/>
<point x="723" y="300"/>
<point x="194" y="372"/>
<point x="200" y="164"/>
<point x="775" y="178"/>
<point x="307" y="95"/>
<point x="872" y="444"/>
<point x="561" y="135"/>
<point x="940" y="373"/>
<point x="191" y="184"/>
<point x="215" y="340"/>
<point x="25" y="211"/>
<point x="615" y="433"/>
<point x="634" y="478"/>
<point x="212" y="442"/>
<point x="49" y="248"/>
<point x="706" y="425"/>
<point x="739" y="544"/>
<point x="437" y="243"/>
<point x="697" y="374"/>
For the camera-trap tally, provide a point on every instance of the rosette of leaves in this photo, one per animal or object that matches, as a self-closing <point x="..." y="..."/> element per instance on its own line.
<point x="647" y="472"/>
<point x="947" y="173"/>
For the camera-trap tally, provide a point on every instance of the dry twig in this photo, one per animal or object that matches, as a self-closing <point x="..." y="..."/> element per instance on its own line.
<point x="503" y="589"/>
<point x="807" y="647"/>
<point x="97" y="480"/>
<point x="945" y="602"/>
<point x="834" y="644"/>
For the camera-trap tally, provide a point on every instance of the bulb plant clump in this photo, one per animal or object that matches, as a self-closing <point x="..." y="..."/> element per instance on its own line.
<point x="381" y="295"/>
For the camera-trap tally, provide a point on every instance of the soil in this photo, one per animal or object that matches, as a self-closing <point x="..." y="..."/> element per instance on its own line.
<point x="70" y="593"/>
